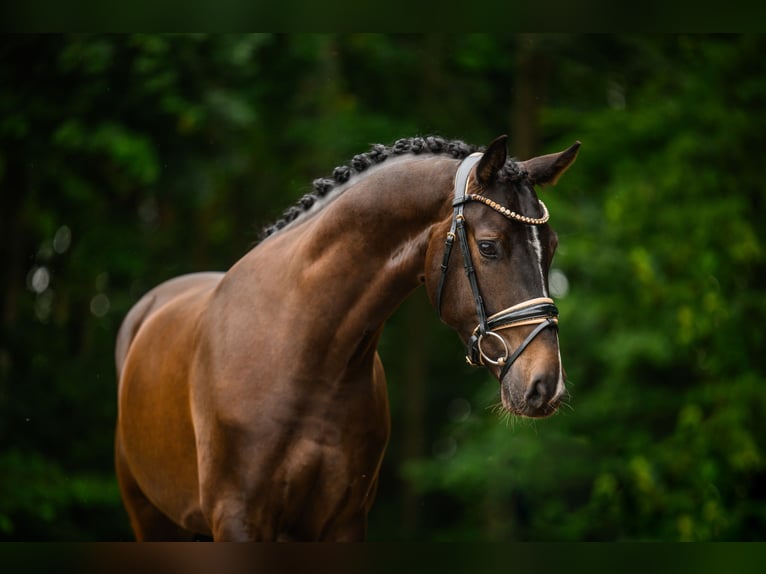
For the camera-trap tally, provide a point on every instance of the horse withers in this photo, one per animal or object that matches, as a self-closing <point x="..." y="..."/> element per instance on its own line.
<point x="252" y="404"/>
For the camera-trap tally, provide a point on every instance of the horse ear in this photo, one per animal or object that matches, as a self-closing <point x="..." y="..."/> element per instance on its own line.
<point x="492" y="161"/>
<point x="547" y="169"/>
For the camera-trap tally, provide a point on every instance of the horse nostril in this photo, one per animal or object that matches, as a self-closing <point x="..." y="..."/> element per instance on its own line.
<point x="537" y="393"/>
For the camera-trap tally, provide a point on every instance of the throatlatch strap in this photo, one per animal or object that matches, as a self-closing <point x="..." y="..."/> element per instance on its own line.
<point x="445" y="265"/>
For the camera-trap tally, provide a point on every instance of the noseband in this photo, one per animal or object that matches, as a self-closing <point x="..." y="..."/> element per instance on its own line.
<point x="539" y="311"/>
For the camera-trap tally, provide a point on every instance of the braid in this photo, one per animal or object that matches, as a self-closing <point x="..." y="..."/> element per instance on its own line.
<point x="512" y="172"/>
<point x="359" y="163"/>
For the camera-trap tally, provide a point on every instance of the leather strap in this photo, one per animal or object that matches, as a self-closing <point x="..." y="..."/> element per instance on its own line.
<point x="508" y="318"/>
<point x="535" y="332"/>
<point x="470" y="272"/>
<point x="461" y="182"/>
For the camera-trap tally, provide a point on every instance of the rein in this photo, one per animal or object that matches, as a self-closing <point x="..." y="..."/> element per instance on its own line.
<point x="540" y="311"/>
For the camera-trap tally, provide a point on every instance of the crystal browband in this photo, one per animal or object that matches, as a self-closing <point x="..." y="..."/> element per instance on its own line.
<point x="507" y="212"/>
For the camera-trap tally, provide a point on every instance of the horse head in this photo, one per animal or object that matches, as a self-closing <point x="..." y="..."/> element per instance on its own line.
<point x="500" y="306"/>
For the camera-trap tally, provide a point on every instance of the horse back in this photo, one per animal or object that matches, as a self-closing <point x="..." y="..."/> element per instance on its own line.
<point x="151" y="302"/>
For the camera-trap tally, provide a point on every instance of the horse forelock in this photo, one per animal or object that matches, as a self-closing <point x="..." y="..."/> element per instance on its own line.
<point x="325" y="189"/>
<point x="512" y="172"/>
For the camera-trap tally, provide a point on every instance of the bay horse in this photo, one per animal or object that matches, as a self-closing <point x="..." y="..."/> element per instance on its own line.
<point x="252" y="404"/>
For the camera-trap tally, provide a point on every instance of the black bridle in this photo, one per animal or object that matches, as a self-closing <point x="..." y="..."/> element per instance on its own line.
<point x="540" y="311"/>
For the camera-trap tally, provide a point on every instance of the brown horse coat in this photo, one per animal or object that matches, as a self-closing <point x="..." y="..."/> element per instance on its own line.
<point x="253" y="403"/>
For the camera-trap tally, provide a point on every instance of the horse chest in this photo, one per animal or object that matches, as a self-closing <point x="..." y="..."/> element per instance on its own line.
<point x="323" y="479"/>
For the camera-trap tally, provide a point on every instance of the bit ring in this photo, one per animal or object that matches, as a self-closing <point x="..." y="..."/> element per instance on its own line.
<point x="501" y="360"/>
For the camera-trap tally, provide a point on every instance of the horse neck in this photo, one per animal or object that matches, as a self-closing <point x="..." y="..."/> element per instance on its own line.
<point x="359" y="257"/>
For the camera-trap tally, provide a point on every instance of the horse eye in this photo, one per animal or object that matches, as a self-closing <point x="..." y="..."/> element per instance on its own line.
<point x="488" y="249"/>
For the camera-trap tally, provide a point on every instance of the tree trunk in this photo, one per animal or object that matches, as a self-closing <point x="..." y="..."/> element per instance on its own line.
<point x="530" y="87"/>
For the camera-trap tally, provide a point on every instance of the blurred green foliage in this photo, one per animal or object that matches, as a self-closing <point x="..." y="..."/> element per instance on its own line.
<point x="126" y="160"/>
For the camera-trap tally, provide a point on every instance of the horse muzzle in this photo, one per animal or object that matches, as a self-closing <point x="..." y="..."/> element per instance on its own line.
<point x="536" y="396"/>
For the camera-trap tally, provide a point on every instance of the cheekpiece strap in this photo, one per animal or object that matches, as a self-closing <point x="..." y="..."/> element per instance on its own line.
<point x="461" y="183"/>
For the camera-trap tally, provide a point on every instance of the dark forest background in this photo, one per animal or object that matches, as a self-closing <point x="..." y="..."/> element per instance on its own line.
<point x="126" y="160"/>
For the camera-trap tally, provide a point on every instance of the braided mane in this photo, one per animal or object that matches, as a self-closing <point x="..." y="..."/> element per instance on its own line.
<point x="378" y="154"/>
